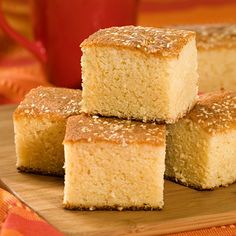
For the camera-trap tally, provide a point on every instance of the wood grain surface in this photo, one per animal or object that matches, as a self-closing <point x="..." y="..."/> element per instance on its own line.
<point x="185" y="209"/>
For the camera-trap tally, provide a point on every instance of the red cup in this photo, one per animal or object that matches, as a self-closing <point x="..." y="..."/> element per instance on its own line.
<point x="59" y="26"/>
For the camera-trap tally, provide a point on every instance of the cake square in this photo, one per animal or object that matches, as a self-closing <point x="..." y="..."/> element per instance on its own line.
<point x="201" y="147"/>
<point x="143" y="73"/>
<point x="39" y="125"/>
<point x="113" y="164"/>
<point x="216" y="45"/>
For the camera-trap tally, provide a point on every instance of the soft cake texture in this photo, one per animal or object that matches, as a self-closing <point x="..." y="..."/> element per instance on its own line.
<point x="113" y="164"/>
<point x="39" y="124"/>
<point x="216" y="44"/>
<point x="139" y="72"/>
<point x="201" y="147"/>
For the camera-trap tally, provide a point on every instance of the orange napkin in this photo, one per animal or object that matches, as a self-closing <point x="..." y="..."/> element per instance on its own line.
<point x="19" y="73"/>
<point x="16" y="219"/>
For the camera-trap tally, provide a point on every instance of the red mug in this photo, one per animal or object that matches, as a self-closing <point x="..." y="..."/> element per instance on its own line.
<point x="59" y="26"/>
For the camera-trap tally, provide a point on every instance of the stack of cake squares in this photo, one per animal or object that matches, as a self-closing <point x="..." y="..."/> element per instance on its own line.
<point x="139" y="118"/>
<point x="141" y="78"/>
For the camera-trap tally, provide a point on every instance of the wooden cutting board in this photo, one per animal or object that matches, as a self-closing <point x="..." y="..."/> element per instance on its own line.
<point x="185" y="209"/>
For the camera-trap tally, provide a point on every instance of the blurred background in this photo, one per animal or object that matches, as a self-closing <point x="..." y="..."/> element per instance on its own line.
<point x="20" y="70"/>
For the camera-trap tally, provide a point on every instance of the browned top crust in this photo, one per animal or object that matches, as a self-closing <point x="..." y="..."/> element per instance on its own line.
<point x="161" y="42"/>
<point x="83" y="128"/>
<point x="213" y="36"/>
<point x="215" y="112"/>
<point x="57" y="102"/>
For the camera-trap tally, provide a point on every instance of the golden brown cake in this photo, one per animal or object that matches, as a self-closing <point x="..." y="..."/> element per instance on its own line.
<point x="113" y="164"/>
<point x="216" y="46"/>
<point x="201" y="147"/>
<point x="39" y="124"/>
<point x="143" y="73"/>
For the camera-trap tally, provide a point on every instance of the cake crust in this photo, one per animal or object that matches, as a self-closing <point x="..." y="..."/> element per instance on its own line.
<point x="213" y="36"/>
<point x="86" y="128"/>
<point x="54" y="102"/>
<point x="193" y="186"/>
<point x="111" y="208"/>
<point x="215" y="112"/>
<point x="39" y="171"/>
<point x="164" y="43"/>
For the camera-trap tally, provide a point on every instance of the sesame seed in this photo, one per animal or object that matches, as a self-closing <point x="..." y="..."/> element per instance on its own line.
<point x="91" y="208"/>
<point x="119" y="208"/>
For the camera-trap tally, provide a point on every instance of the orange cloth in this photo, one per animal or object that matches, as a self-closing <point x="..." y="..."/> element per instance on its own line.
<point x="16" y="219"/>
<point x="19" y="73"/>
<point x="19" y="70"/>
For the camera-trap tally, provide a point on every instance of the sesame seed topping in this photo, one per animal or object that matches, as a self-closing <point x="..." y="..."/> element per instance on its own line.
<point x="215" y="112"/>
<point x="210" y="36"/>
<point x="123" y="132"/>
<point x="54" y="101"/>
<point x="159" y="41"/>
